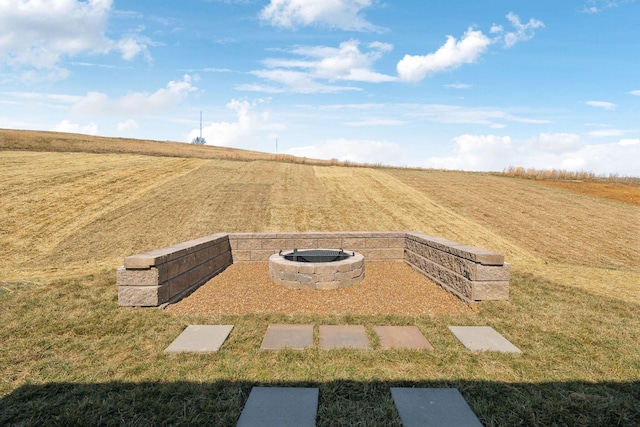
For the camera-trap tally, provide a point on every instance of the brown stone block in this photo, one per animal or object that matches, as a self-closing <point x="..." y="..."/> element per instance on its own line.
<point x="262" y="255"/>
<point x="289" y="267"/>
<point x="454" y="263"/>
<point x="303" y="278"/>
<point x="323" y="268"/>
<point x="328" y="285"/>
<point x="202" y="256"/>
<point x="289" y="277"/>
<point x="163" y="273"/>
<point x="388" y="234"/>
<point x="142" y="261"/>
<point x="377" y="242"/>
<point x="328" y="243"/>
<point x="493" y="272"/>
<point x="249" y="244"/>
<point x="199" y="273"/>
<point x="441" y="275"/>
<point x="471" y="253"/>
<point x="180" y="265"/>
<point x="353" y="243"/>
<point x="138" y="296"/>
<point x="482" y="256"/>
<point x="240" y="256"/>
<point x="244" y="236"/>
<point x="305" y="243"/>
<point x="359" y="263"/>
<point x="305" y="268"/>
<point x="137" y="278"/>
<point x="214" y="251"/>
<point x="397" y="242"/>
<point x="179" y="284"/>
<point x="388" y="254"/>
<point x="324" y="277"/>
<point x="344" y="276"/>
<point x="484" y="291"/>
<point x="274" y="245"/>
<point x="343" y="267"/>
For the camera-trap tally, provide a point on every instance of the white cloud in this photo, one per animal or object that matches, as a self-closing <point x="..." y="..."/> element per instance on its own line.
<point x="38" y="34"/>
<point x="242" y="133"/>
<point x="597" y="6"/>
<point x="476" y="152"/>
<point x="375" y="122"/>
<point x="602" y="104"/>
<point x="340" y="14"/>
<point x="315" y="68"/>
<point x="66" y="126"/>
<point x="458" y="86"/>
<point x="137" y="103"/>
<point x="523" y="32"/>
<point x="557" y="142"/>
<point x="127" y="125"/>
<point x="449" y="56"/>
<point x="606" y="133"/>
<point x="481" y="116"/>
<point x="629" y="142"/>
<point x="635" y="92"/>
<point x="453" y="54"/>
<point x="358" y="151"/>
<point x="546" y="151"/>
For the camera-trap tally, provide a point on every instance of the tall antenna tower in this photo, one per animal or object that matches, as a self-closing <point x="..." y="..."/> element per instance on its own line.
<point x="199" y="140"/>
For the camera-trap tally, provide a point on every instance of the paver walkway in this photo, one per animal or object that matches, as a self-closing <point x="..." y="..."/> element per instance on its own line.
<point x="280" y="407"/>
<point x="483" y="338"/>
<point x="279" y="337"/>
<point x="343" y="336"/>
<point x="433" y="407"/>
<point x="200" y="339"/>
<point x="402" y="337"/>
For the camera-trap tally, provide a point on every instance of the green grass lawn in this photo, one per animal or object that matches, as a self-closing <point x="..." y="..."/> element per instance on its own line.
<point x="70" y="356"/>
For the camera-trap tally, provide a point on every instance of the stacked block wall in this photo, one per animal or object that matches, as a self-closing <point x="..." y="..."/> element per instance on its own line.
<point x="165" y="275"/>
<point x="471" y="273"/>
<point x="252" y="247"/>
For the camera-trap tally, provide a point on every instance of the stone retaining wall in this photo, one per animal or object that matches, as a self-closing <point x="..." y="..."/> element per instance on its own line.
<point x="168" y="274"/>
<point x="165" y="275"/>
<point x="249" y="247"/>
<point x="471" y="273"/>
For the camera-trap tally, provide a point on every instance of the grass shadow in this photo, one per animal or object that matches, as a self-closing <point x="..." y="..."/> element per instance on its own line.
<point x="341" y="403"/>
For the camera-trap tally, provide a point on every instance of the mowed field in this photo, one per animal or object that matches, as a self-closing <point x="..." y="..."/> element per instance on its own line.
<point x="68" y="214"/>
<point x="72" y="207"/>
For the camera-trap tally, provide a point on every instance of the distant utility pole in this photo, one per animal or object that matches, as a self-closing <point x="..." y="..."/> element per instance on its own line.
<point x="199" y="140"/>
<point x="276" y="145"/>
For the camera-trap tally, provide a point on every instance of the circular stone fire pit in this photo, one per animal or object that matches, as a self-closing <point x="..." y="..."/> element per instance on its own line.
<point x="316" y="268"/>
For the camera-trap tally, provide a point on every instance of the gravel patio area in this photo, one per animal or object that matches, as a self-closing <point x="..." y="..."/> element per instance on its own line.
<point x="388" y="288"/>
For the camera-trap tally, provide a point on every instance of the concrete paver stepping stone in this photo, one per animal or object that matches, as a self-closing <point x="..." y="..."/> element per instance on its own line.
<point x="200" y="339"/>
<point x="279" y="337"/>
<point x="280" y="407"/>
<point x="433" y="407"/>
<point x="343" y="336"/>
<point x="483" y="338"/>
<point x="408" y="337"/>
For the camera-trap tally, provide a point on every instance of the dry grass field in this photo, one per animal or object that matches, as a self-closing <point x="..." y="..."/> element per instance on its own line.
<point x="72" y="207"/>
<point x="69" y="213"/>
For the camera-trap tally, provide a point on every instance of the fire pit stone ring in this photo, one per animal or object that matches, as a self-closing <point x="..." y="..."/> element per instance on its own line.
<point x="300" y="269"/>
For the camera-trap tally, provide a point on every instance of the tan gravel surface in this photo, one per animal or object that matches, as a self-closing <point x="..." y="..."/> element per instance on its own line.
<point x="388" y="288"/>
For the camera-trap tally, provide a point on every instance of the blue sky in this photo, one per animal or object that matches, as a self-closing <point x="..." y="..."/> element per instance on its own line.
<point x="446" y="84"/>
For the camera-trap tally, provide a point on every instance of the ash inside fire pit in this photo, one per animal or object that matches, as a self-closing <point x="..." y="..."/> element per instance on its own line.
<point x="317" y="255"/>
<point x="316" y="268"/>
